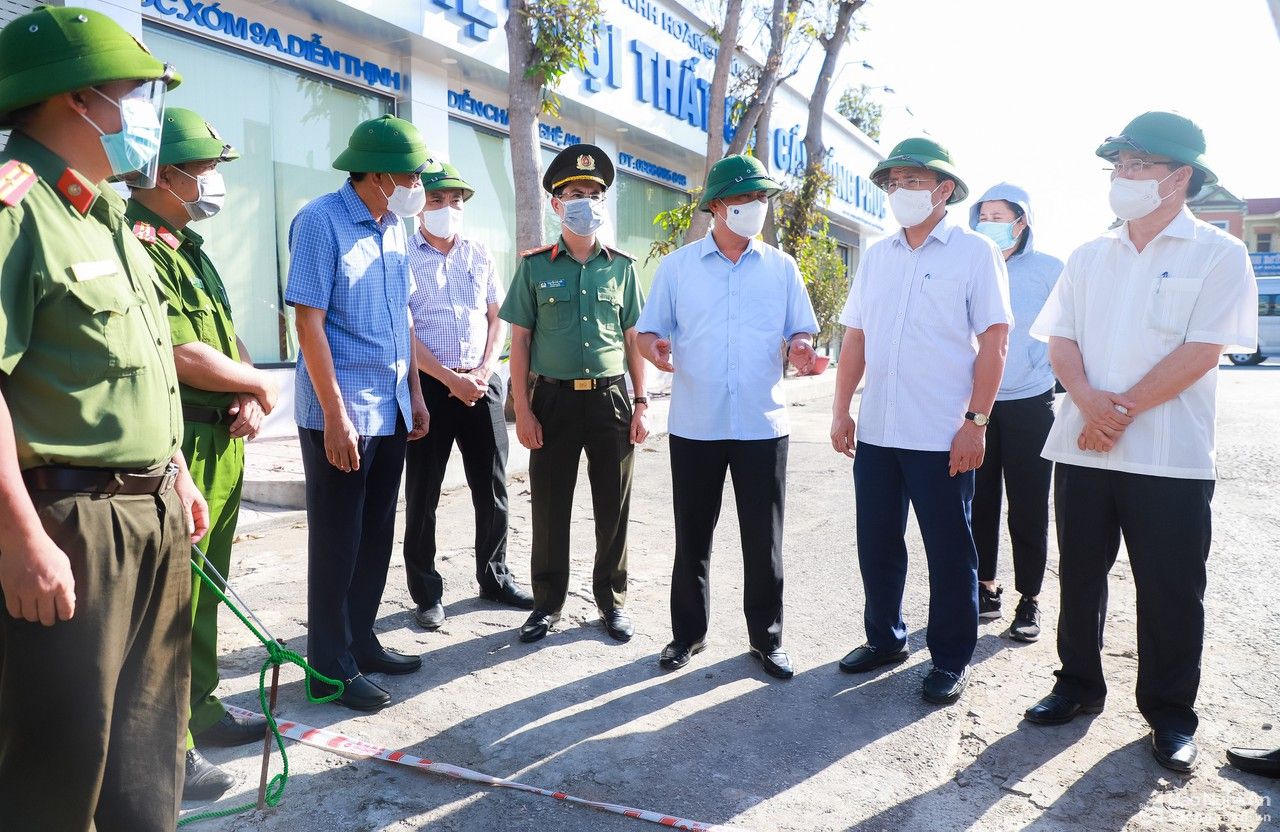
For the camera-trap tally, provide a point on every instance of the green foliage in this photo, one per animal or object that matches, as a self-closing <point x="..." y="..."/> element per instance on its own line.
<point x="804" y="233"/>
<point x="674" y="224"/>
<point x="564" y="34"/>
<point x="859" y="108"/>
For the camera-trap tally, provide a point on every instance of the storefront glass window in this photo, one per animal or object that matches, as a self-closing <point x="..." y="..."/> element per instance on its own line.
<point x="639" y="201"/>
<point x="289" y="127"/>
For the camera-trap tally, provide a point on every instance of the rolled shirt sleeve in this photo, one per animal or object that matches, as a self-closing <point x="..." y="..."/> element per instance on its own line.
<point x="800" y="315"/>
<point x="851" y="314"/>
<point x="313" y="261"/>
<point x="1058" y="317"/>
<point x="520" y="307"/>
<point x="1226" y="310"/>
<point x="659" y="314"/>
<point x="632" y="299"/>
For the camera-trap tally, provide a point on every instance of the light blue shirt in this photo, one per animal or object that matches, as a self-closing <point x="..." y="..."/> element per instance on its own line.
<point x="728" y="323"/>
<point x="356" y="269"/>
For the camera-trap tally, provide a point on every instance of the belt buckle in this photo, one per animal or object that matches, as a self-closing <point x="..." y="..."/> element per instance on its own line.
<point x="584" y="384"/>
<point x="170" y="477"/>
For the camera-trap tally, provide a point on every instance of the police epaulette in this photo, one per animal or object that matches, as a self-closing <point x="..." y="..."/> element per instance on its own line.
<point x="144" y="231"/>
<point x="625" y="254"/>
<point x="537" y="250"/>
<point x="16" y="178"/>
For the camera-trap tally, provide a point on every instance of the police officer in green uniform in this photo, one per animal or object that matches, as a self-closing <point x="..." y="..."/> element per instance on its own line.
<point x="573" y="307"/>
<point x="223" y="399"/>
<point x="99" y="511"/>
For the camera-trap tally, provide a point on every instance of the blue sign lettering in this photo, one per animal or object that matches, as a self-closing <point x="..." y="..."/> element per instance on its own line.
<point x="465" y="103"/>
<point x="213" y="17"/>
<point x="644" y="166"/>
<point x="1265" y="263"/>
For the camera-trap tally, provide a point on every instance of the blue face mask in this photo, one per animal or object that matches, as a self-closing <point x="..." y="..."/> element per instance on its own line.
<point x="583" y="216"/>
<point x="137" y="146"/>
<point x="1001" y="233"/>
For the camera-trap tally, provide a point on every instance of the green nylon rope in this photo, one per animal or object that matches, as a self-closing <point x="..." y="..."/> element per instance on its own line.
<point x="277" y="654"/>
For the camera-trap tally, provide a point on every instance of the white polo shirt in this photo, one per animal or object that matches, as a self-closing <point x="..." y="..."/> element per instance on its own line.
<point x="1127" y="311"/>
<point x="921" y="312"/>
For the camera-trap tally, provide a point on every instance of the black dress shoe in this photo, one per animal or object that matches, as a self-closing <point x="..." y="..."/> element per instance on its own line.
<point x="864" y="658"/>
<point x="1173" y="750"/>
<point x="618" y="623"/>
<point x="678" y="653"/>
<point x="359" y="694"/>
<point x="942" y="687"/>
<point x="509" y="595"/>
<point x="389" y="662"/>
<point x="429" y="618"/>
<point x="1056" y="709"/>
<point x="232" y="730"/>
<point x="775" y="662"/>
<point x="204" y="781"/>
<point x="537" y="625"/>
<point x="1264" y="761"/>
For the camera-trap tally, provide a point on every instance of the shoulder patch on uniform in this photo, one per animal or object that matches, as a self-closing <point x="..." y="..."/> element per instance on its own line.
<point x="16" y="178"/>
<point x="144" y="231"/>
<point x="620" y="252"/>
<point x="538" y="250"/>
<point x="166" y="236"/>
<point x="77" y="190"/>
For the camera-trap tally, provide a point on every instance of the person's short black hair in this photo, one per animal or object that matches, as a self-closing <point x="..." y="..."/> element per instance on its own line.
<point x="357" y="176"/>
<point x="1196" y="182"/>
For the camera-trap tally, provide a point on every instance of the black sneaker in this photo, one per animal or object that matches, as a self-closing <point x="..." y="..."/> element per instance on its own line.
<point x="1026" y="621"/>
<point x="989" y="602"/>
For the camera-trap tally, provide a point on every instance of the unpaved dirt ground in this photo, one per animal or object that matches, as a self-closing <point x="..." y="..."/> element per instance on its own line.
<point x="720" y="741"/>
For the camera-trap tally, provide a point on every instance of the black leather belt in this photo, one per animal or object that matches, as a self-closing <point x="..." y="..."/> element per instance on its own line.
<point x="581" y="383"/>
<point x="206" y="415"/>
<point x="99" y="480"/>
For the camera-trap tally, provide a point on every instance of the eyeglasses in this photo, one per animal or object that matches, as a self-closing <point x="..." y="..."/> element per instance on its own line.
<point x="571" y="195"/>
<point x="911" y="183"/>
<point x="1134" y="166"/>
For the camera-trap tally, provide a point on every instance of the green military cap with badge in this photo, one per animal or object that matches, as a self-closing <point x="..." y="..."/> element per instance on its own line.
<point x="386" y="145"/>
<point x="187" y="137"/>
<point x="448" y="179"/>
<point x="578" y="163"/>
<point x="1162" y="134"/>
<point x="55" y="50"/>
<point x="920" y="152"/>
<point x="734" y="175"/>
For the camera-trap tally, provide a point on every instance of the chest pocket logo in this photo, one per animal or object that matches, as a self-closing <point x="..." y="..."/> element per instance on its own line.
<point x="554" y="308"/>
<point x="112" y="339"/>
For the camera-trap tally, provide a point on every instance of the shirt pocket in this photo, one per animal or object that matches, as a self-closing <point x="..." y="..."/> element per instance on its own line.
<point x="765" y="312"/>
<point x="203" y="314"/>
<point x="1169" y="306"/>
<point x="554" y="312"/>
<point x="609" y="308"/>
<point x="942" y="302"/>
<point x="112" y="337"/>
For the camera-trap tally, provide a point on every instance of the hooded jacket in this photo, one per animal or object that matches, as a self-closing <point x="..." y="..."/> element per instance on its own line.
<point x="1032" y="275"/>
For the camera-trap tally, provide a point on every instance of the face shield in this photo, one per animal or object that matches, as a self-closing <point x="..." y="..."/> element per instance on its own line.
<point x="134" y="152"/>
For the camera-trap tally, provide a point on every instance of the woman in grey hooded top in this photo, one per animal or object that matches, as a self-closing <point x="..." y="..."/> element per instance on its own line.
<point x="1020" y="419"/>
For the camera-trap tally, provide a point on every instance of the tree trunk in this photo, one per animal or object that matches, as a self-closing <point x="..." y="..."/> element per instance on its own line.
<point x="782" y="23"/>
<point x="524" y="104"/>
<point x="716" y="106"/>
<point x="763" y="144"/>
<point x="832" y="45"/>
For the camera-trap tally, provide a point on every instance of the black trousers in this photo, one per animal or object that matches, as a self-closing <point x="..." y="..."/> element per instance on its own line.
<point x="351" y="521"/>
<point x="1015" y="438"/>
<point x="481" y="433"/>
<point x="599" y="423"/>
<point x="759" y="471"/>
<point x="1166" y="525"/>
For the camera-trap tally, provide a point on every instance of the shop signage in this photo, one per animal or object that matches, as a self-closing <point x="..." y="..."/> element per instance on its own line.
<point x="789" y="155"/>
<point x="467" y="104"/>
<point x="214" y="19"/>
<point x="1265" y="263"/>
<point x="647" y="168"/>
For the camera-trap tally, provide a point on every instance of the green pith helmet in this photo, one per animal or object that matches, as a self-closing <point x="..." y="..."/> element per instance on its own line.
<point x="187" y="137"/>
<point x="735" y="175"/>
<point x="1162" y="134"/>
<point x="55" y="50"/>
<point x="920" y="152"/>
<point x="448" y="178"/>
<point x="386" y="145"/>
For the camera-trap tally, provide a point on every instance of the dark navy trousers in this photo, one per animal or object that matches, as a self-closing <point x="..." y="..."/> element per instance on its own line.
<point x="885" y="482"/>
<point x="351" y="519"/>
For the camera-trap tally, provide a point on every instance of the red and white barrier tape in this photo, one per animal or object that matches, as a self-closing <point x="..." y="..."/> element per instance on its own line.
<point x="351" y="747"/>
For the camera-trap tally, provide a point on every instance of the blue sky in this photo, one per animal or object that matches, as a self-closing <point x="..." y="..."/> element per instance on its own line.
<point x="1025" y="90"/>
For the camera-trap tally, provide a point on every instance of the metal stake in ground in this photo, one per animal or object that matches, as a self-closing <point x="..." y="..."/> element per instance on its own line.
<point x="266" y="741"/>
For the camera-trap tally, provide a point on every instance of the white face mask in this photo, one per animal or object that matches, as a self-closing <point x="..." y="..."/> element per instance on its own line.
<point x="1133" y="199"/>
<point x="910" y="208"/>
<point x="583" y="216"/>
<point x="746" y="220"/>
<point x="406" y="202"/>
<point x="443" y="222"/>
<point x="211" y="193"/>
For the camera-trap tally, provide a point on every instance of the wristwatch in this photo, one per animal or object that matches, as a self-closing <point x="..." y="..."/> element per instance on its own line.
<point x="640" y="400"/>
<point x="979" y="419"/>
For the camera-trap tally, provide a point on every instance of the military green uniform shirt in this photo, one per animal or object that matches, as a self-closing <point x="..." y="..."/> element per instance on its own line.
<point x="91" y="380"/>
<point x="578" y="312"/>
<point x="199" y="309"/>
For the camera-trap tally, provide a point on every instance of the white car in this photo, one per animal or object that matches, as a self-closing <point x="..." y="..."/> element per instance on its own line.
<point x="1268" y="324"/>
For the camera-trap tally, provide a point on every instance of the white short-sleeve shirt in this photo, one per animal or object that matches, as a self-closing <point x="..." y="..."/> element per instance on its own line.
<point x="1127" y="310"/>
<point x="921" y="312"/>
